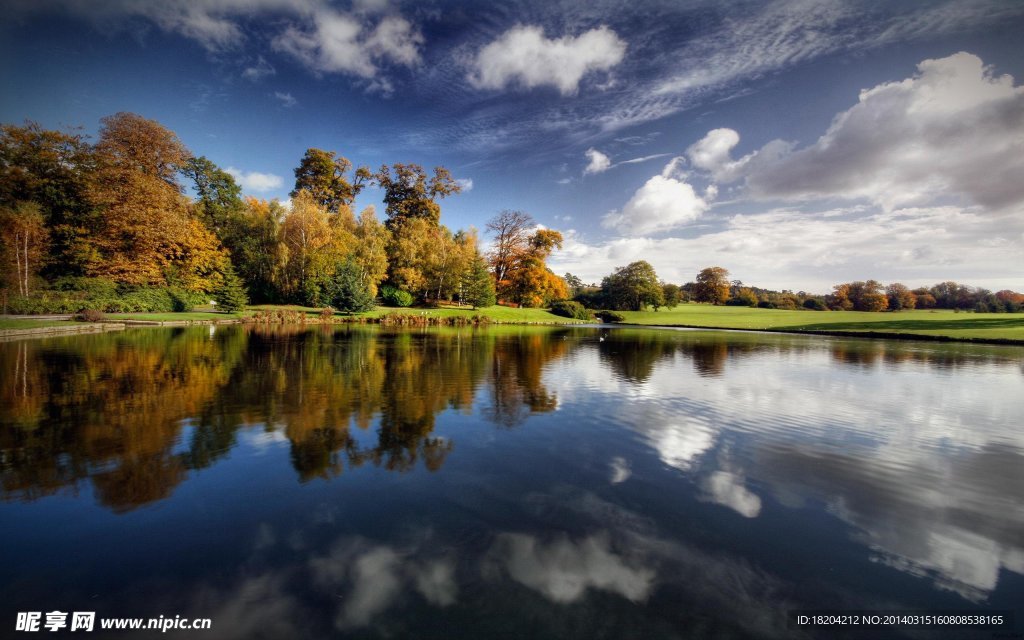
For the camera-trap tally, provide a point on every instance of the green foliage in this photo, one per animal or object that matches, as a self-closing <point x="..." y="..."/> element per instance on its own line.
<point x="610" y="316"/>
<point x="633" y="287"/>
<point x="744" y="297"/>
<point x="571" y="309"/>
<point x="394" y="297"/>
<point x="348" y="292"/>
<point x="230" y="295"/>
<point x="324" y="175"/>
<point x="478" y="286"/>
<point x="672" y="294"/>
<point x="815" y="304"/>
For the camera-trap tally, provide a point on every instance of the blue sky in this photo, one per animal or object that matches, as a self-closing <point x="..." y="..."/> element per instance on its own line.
<point x="796" y="143"/>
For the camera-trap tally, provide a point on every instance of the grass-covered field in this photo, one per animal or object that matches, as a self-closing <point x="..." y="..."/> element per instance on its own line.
<point x="962" y="326"/>
<point x="496" y="313"/>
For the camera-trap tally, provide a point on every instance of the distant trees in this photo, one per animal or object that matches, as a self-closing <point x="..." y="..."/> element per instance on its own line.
<point x="900" y="297"/>
<point x="712" y="285"/>
<point x="633" y="287"/>
<point x="672" y="294"/>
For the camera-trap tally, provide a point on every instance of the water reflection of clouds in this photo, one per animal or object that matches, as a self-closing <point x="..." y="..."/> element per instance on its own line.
<point x="376" y="575"/>
<point x="563" y="570"/>
<point x="904" y="453"/>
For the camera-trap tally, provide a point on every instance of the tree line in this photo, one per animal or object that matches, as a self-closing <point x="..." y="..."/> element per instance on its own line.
<point x="636" y="287"/>
<point x="109" y="225"/>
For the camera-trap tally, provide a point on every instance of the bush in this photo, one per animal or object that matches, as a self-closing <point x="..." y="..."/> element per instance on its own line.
<point x="766" y="304"/>
<point x="90" y="315"/>
<point x="230" y="295"/>
<point x="815" y="304"/>
<point x="570" y="309"/>
<point x="610" y="316"/>
<point x="393" y="297"/>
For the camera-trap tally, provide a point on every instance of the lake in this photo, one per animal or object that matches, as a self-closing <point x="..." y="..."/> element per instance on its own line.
<point x="519" y="482"/>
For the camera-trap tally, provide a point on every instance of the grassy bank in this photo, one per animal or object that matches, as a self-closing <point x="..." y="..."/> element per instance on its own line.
<point x="937" y="323"/>
<point x="940" y="324"/>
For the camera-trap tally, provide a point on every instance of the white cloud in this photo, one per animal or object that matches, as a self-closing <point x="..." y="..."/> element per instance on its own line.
<point x="664" y="202"/>
<point x="955" y="129"/>
<point x="255" y="181"/>
<point x="341" y="43"/>
<point x="598" y="162"/>
<point x="261" y="69"/>
<point x="522" y="55"/>
<point x="287" y="99"/>
<point x="465" y="183"/>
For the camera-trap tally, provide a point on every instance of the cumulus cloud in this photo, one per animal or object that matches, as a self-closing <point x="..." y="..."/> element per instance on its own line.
<point x="664" y="202"/>
<point x="953" y="130"/>
<point x="597" y="162"/>
<point x="340" y="43"/>
<point x="523" y="56"/>
<point x="254" y="180"/>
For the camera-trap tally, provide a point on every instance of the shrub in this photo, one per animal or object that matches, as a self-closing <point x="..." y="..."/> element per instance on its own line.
<point x="766" y="304"/>
<point x="90" y="315"/>
<point x="815" y="304"/>
<point x="326" y="314"/>
<point x="393" y="297"/>
<point x="610" y="316"/>
<point x="570" y="309"/>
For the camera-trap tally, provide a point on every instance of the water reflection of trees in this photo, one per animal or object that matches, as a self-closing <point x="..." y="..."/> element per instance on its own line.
<point x="133" y="413"/>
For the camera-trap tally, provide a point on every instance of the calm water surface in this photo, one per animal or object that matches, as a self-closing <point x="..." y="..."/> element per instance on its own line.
<point x="507" y="482"/>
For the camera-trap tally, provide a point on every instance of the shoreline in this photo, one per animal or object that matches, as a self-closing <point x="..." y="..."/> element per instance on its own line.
<point x="416" y="321"/>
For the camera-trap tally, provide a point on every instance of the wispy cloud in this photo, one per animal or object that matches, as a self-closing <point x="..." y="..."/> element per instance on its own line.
<point x="287" y="100"/>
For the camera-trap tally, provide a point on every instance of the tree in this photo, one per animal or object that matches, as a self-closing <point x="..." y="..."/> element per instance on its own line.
<point x="348" y="291"/>
<point x="23" y="240"/>
<point x="218" y="196"/>
<point x="314" y="244"/>
<point x="511" y="230"/>
<point x="712" y="285"/>
<point x="370" y="250"/>
<point x="230" y="295"/>
<point x="50" y="168"/>
<point x="743" y="297"/>
<point x="574" y="283"/>
<point x="528" y="280"/>
<point x="324" y="175"/>
<point x="144" y="215"/>
<point x="633" y="287"/>
<point x="478" y="285"/>
<point x="409" y="194"/>
<point x="900" y="297"/>
<point x="672" y="294"/>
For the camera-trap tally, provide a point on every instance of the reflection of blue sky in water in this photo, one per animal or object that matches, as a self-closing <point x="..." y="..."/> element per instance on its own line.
<point x="918" y="470"/>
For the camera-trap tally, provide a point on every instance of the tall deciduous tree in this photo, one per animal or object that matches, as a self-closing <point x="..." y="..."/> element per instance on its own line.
<point x="325" y="176"/>
<point x="511" y="232"/>
<point x="900" y="297"/>
<point x="145" y="222"/>
<point x="712" y="285"/>
<point x="218" y="196"/>
<point x="410" y="194"/>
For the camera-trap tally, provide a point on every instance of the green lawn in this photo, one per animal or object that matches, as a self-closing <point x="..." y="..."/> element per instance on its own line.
<point x="966" y="326"/>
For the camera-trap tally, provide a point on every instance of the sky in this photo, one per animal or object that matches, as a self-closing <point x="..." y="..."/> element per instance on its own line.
<point x="796" y="143"/>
